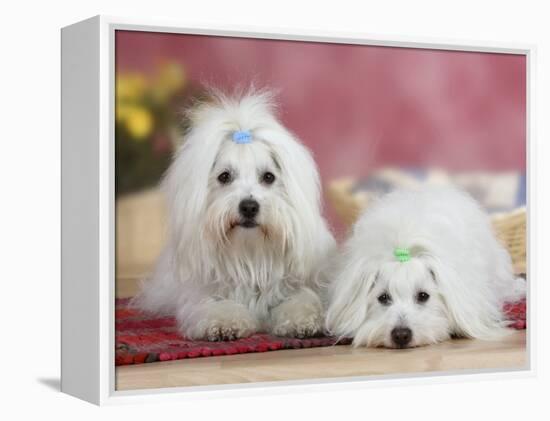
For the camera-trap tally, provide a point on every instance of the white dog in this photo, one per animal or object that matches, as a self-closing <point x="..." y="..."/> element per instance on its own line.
<point x="420" y="267"/>
<point x="245" y="227"/>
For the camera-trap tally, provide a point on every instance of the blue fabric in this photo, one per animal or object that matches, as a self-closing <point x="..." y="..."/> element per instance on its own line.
<point x="521" y="199"/>
<point x="379" y="186"/>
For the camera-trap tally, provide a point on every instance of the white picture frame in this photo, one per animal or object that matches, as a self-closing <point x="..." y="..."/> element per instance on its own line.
<point x="88" y="231"/>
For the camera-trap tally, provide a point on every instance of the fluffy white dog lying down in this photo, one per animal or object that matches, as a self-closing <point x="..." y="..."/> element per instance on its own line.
<point x="420" y="267"/>
<point x="246" y="234"/>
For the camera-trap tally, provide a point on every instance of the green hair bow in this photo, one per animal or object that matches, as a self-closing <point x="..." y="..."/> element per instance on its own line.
<point x="402" y="254"/>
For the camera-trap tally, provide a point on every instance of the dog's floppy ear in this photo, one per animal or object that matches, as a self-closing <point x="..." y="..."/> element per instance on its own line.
<point x="310" y="234"/>
<point x="349" y="296"/>
<point x="186" y="186"/>
<point x="472" y="309"/>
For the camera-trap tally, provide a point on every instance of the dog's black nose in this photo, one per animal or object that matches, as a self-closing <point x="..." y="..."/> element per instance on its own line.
<point x="401" y="336"/>
<point x="249" y="208"/>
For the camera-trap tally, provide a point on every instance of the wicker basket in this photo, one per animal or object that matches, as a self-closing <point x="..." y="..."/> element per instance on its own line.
<point x="510" y="227"/>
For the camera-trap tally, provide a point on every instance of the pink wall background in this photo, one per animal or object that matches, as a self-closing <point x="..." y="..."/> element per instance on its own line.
<point x="362" y="107"/>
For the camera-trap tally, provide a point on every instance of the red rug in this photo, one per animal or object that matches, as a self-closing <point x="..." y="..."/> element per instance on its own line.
<point x="144" y="339"/>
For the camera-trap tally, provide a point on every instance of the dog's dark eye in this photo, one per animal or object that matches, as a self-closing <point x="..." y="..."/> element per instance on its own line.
<point x="422" y="297"/>
<point x="224" y="177"/>
<point x="268" y="178"/>
<point x="384" y="299"/>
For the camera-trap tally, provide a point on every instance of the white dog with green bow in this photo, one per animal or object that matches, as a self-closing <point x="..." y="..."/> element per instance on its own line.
<point x="421" y="267"/>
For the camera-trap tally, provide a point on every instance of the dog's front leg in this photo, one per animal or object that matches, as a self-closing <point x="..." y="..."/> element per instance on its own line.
<point x="300" y="315"/>
<point x="217" y="321"/>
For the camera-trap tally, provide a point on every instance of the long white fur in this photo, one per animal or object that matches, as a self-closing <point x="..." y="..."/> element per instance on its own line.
<point x="456" y="259"/>
<point x="222" y="281"/>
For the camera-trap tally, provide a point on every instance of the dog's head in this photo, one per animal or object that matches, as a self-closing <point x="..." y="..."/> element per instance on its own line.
<point x="405" y="307"/>
<point x="381" y="302"/>
<point x="240" y="184"/>
<point x="247" y="195"/>
<point x="390" y="304"/>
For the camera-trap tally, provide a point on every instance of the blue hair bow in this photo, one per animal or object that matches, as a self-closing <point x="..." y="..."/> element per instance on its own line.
<point x="242" y="137"/>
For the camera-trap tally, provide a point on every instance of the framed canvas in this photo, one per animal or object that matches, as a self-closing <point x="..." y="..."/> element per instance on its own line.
<point x="152" y="309"/>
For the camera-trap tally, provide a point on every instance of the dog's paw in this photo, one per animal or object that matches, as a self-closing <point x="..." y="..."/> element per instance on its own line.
<point x="228" y="330"/>
<point x="305" y="328"/>
<point x="224" y="321"/>
<point x="297" y="318"/>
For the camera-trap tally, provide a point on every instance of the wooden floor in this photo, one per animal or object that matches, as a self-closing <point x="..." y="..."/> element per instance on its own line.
<point x="330" y="362"/>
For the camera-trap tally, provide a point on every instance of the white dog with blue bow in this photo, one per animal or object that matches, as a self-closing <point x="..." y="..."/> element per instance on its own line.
<point x="420" y="267"/>
<point x="246" y="235"/>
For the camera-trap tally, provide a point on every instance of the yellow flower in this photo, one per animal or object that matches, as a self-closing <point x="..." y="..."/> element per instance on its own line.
<point x="171" y="75"/>
<point x="139" y="122"/>
<point x="170" y="78"/>
<point x="130" y="86"/>
<point x="122" y="110"/>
